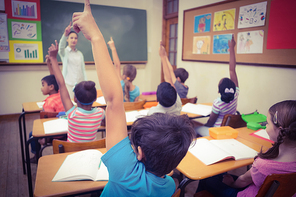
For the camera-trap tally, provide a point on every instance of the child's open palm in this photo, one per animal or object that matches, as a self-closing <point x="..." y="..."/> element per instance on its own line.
<point x="68" y="29"/>
<point x="162" y="52"/>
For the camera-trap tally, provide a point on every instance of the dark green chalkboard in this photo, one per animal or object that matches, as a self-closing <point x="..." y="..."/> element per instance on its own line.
<point x="128" y="27"/>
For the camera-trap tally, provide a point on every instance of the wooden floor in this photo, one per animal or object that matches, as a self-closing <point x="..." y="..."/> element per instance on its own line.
<point x="13" y="182"/>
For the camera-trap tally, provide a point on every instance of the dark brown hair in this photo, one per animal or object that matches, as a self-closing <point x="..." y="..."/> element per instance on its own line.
<point x="130" y="73"/>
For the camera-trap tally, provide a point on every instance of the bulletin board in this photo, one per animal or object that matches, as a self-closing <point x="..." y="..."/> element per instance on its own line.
<point x="269" y="40"/>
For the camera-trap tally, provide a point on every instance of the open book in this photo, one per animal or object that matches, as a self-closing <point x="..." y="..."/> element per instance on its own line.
<point x="55" y="126"/>
<point x="212" y="151"/>
<point x="199" y="109"/>
<point x="131" y="116"/>
<point x="83" y="165"/>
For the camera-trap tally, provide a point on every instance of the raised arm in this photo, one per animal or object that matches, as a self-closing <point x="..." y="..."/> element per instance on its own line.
<point x="168" y="72"/>
<point x="65" y="97"/>
<point x="63" y="40"/>
<point x="116" y="128"/>
<point x="115" y="58"/>
<point x="232" y="61"/>
<point x="49" y="65"/>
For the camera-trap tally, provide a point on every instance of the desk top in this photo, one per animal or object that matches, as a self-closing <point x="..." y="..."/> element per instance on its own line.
<point x="47" y="168"/>
<point x="194" y="169"/>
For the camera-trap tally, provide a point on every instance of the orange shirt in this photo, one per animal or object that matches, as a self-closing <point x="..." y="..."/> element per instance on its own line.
<point x="53" y="103"/>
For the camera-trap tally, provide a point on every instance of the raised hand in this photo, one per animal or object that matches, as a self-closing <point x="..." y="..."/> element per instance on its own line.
<point x="231" y="43"/>
<point x="85" y="22"/>
<point x="68" y="29"/>
<point x="162" y="52"/>
<point x="111" y="44"/>
<point x="53" y="50"/>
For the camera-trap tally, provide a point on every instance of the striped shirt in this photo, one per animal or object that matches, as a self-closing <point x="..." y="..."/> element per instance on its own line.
<point x="53" y="103"/>
<point x="222" y="108"/>
<point x="83" y="124"/>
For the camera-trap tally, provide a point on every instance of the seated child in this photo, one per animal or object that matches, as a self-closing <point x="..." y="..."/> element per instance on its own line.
<point x="279" y="159"/>
<point x="166" y="94"/>
<point x="131" y="92"/>
<point x="52" y="103"/>
<point x="229" y="91"/>
<point x="83" y="120"/>
<point x="136" y="167"/>
<point x="181" y="75"/>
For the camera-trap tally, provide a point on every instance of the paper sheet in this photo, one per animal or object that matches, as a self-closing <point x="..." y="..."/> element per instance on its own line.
<point x="101" y="100"/>
<point x="199" y="109"/>
<point x="55" y="126"/>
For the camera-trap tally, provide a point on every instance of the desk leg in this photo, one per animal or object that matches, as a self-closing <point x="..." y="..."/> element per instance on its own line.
<point x="21" y="140"/>
<point x="183" y="184"/>
<point x="30" y="185"/>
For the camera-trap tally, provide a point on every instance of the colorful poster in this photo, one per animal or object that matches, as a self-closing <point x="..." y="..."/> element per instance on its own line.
<point x="202" y="23"/>
<point x="23" y="9"/>
<point x="224" y="20"/>
<point x="252" y="15"/>
<point x="25" y="51"/>
<point x="201" y="45"/>
<point x="24" y="30"/>
<point x="250" y="42"/>
<point x="4" y="45"/>
<point x="220" y="43"/>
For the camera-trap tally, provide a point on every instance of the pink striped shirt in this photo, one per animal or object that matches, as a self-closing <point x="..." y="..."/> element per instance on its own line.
<point x="222" y="108"/>
<point x="83" y="124"/>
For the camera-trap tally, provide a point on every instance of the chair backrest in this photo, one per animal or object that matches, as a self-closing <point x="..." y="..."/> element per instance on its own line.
<point x="60" y="146"/>
<point x="44" y="114"/>
<point x="189" y="100"/>
<point x="278" y="185"/>
<point x="234" y="121"/>
<point x="129" y="106"/>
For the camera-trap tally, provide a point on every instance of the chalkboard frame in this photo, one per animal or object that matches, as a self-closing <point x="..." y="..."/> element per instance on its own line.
<point x="131" y="46"/>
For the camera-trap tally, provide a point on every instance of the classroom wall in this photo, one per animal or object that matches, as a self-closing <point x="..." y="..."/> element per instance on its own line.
<point x="19" y="84"/>
<point x="260" y="86"/>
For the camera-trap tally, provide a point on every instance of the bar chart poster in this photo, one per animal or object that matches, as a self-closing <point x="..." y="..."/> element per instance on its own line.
<point x="25" y="10"/>
<point x="25" y="52"/>
<point x="24" y="30"/>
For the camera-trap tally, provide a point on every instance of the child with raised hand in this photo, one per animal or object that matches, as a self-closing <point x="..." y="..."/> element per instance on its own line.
<point x="229" y="91"/>
<point x="279" y="159"/>
<point x="72" y="58"/>
<point x="83" y="120"/>
<point x="136" y="167"/>
<point x="131" y="92"/>
<point x="169" y="100"/>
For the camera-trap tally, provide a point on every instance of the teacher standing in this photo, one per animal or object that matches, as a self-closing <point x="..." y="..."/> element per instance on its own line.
<point x="73" y="60"/>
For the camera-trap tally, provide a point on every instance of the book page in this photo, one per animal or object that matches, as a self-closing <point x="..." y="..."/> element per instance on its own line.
<point x="132" y="116"/>
<point x="199" y="109"/>
<point x="102" y="174"/>
<point x="101" y="100"/>
<point x="81" y="165"/>
<point x="55" y="126"/>
<point x="207" y="152"/>
<point x="40" y="104"/>
<point x="235" y="148"/>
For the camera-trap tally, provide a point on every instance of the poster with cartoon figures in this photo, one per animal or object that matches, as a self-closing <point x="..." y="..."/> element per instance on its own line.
<point x="24" y="30"/>
<point x="202" y="23"/>
<point x="250" y="42"/>
<point x="220" y="43"/>
<point x="224" y="20"/>
<point x="201" y="44"/>
<point x="252" y="15"/>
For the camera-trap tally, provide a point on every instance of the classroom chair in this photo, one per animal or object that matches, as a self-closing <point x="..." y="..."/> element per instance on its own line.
<point x="177" y="193"/>
<point x="129" y="106"/>
<point x="189" y="100"/>
<point x="233" y="120"/>
<point x="278" y="185"/>
<point x="60" y="146"/>
<point x="44" y="114"/>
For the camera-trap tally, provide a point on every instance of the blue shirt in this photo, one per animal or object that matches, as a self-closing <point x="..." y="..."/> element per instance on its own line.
<point x="128" y="176"/>
<point x="182" y="90"/>
<point x="133" y="94"/>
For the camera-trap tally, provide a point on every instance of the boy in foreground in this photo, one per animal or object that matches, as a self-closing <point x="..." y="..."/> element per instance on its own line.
<point x="136" y="167"/>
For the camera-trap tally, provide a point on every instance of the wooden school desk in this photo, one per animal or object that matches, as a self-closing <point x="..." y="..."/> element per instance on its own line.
<point x="29" y="108"/>
<point x="194" y="169"/>
<point x="47" y="168"/>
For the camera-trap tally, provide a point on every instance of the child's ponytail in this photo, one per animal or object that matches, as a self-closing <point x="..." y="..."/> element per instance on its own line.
<point x="130" y="73"/>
